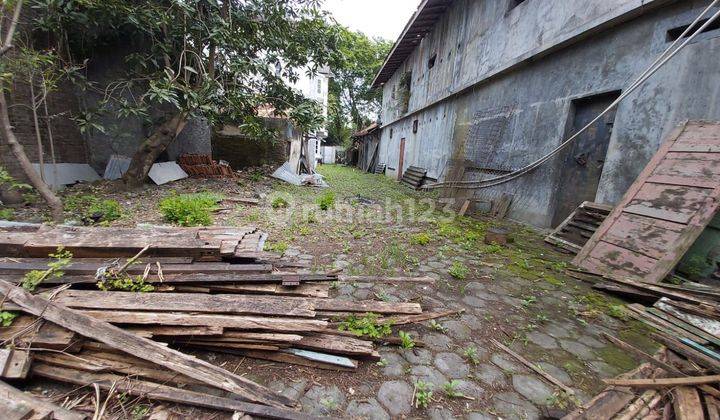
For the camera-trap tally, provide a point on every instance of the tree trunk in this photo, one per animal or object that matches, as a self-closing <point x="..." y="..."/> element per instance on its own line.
<point x="151" y="148"/>
<point x="53" y="201"/>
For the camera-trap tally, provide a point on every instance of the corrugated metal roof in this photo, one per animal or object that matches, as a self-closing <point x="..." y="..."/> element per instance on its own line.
<point x="422" y="22"/>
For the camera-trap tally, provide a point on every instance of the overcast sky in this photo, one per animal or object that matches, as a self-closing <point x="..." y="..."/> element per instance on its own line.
<point x="381" y="18"/>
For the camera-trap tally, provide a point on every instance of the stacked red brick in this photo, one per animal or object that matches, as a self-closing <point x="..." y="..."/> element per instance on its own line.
<point x="205" y="166"/>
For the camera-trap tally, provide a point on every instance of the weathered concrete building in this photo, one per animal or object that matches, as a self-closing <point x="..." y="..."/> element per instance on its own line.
<point x="492" y="85"/>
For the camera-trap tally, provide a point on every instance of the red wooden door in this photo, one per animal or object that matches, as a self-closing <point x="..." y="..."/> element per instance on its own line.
<point x="663" y="212"/>
<point x="401" y="158"/>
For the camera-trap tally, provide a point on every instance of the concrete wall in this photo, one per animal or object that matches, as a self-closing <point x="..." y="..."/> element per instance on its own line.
<point x="528" y="65"/>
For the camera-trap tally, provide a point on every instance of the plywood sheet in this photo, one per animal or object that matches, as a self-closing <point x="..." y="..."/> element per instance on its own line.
<point x="663" y="212"/>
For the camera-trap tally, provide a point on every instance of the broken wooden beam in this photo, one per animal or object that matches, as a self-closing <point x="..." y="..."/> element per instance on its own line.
<point x="41" y="409"/>
<point x="141" y="347"/>
<point x="664" y="382"/>
<point x="161" y="392"/>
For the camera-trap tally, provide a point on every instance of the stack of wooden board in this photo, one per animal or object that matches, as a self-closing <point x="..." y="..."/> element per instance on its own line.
<point x="574" y="232"/>
<point x="379" y="168"/>
<point x="666" y="385"/>
<point x="413" y="177"/>
<point x="70" y="331"/>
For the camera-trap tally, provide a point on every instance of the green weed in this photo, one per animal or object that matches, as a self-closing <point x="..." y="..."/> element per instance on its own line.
<point x="472" y="354"/>
<point x="406" y="340"/>
<point x="423" y="394"/>
<point x="279" y="203"/>
<point x="189" y="209"/>
<point x="458" y="270"/>
<point x="450" y="389"/>
<point x="326" y="201"/>
<point x="367" y="326"/>
<point x="420" y="239"/>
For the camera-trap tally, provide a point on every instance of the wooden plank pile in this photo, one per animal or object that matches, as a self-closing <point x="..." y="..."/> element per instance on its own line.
<point x="574" y="232"/>
<point x="414" y="177"/>
<point x="205" y="166"/>
<point x="379" y="168"/>
<point x="237" y="303"/>
<point x="666" y="385"/>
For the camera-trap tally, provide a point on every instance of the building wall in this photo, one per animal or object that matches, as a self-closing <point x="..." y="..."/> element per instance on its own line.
<point x="521" y="66"/>
<point x="69" y="145"/>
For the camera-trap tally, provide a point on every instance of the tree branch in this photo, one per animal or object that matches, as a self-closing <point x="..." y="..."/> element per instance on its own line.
<point x="7" y="43"/>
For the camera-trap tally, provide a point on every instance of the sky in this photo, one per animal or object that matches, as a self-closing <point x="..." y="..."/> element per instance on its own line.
<point x="376" y="18"/>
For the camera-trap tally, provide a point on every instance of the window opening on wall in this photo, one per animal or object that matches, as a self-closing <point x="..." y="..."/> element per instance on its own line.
<point x="319" y="86"/>
<point x="391" y="132"/>
<point x="431" y="61"/>
<point x="415" y="126"/>
<point x="674" y="33"/>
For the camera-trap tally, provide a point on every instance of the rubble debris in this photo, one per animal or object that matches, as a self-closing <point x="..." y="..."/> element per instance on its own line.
<point x="285" y="173"/>
<point x="663" y="212"/>
<point x="208" y="299"/>
<point x="574" y="232"/>
<point x="116" y="167"/>
<point x="205" y="166"/>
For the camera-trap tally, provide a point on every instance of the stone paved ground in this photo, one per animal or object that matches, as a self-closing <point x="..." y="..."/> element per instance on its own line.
<point x="519" y="295"/>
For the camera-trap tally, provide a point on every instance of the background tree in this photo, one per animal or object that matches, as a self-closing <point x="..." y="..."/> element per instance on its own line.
<point x="354" y="69"/>
<point x="221" y="60"/>
<point x="14" y="64"/>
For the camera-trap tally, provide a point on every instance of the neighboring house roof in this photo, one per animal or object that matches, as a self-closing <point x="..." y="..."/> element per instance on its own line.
<point x="367" y="130"/>
<point x="422" y="22"/>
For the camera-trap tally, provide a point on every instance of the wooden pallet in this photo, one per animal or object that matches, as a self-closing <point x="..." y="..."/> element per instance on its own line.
<point x="380" y="168"/>
<point x="574" y="232"/>
<point x="413" y="177"/>
<point x="663" y="212"/>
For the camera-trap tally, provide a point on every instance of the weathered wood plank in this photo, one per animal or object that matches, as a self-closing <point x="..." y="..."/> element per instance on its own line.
<point x="645" y="235"/>
<point x="378" y="307"/>
<point x="16" y="363"/>
<point x="686" y="404"/>
<point x="10" y="393"/>
<point x="236" y="274"/>
<point x="191" y="302"/>
<point x="155" y="391"/>
<point x="89" y="270"/>
<point x="140" y="347"/>
<point x="197" y="319"/>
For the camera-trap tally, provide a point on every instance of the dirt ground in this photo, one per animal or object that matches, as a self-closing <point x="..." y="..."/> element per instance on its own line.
<point x="518" y="294"/>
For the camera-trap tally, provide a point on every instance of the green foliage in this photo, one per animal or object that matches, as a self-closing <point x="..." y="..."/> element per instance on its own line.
<point x="451" y="389"/>
<point x="472" y="354"/>
<point x="406" y="340"/>
<point x="279" y="247"/>
<point x="7" y="214"/>
<point x="493" y="248"/>
<point x="125" y="283"/>
<point x="423" y="394"/>
<point x="91" y="209"/>
<point x="256" y="176"/>
<point x="279" y="203"/>
<point x="7" y="317"/>
<point x="420" y="239"/>
<point x="351" y="96"/>
<point x="33" y="278"/>
<point x="326" y="201"/>
<point x="189" y="209"/>
<point x="458" y="270"/>
<point x="8" y="181"/>
<point x="366" y="326"/>
<point x="437" y="326"/>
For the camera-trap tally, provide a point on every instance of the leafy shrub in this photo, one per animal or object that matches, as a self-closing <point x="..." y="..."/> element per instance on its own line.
<point x="420" y="239"/>
<point x="423" y="394"/>
<point x="7" y="318"/>
<point x="458" y="270"/>
<point x="366" y="326"/>
<point x="107" y="210"/>
<point x="279" y="247"/>
<point x="32" y="278"/>
<point x="326" y="200"/>
<point x="189" y="209"/>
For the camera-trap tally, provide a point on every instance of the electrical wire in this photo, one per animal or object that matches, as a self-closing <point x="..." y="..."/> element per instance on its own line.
<point x="652" y="69"/>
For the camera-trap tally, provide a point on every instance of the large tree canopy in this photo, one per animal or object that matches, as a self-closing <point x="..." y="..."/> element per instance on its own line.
<point x="213" y="58"/>
<point x="353" y="101"/>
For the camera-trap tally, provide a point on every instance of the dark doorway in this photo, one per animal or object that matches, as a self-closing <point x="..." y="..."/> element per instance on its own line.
<point x="401" y="159"/>
<point x="583" y="161"/>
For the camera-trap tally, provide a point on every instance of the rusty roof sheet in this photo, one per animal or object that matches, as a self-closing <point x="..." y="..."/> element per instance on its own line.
<point x="421" y="22"/>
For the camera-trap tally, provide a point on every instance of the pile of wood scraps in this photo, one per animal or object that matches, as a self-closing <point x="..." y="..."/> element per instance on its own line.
<point x="205" y="166"/>
<point x="668" y="384"/>
<point x="205" y="289"/>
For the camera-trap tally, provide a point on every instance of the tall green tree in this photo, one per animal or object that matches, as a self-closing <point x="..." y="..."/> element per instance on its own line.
<point x="218" y="59"/>
<point x="360" y="58"/>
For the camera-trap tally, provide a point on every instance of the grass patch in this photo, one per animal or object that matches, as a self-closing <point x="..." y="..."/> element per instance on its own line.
<point x="613" y="356"/>
<point x="420" y="239"/>
<point x="92" y="209"/>
<point x="326" y="201"/>
<point x="189" y="209"/>
<point x="366" y="326"/>
<point x="458" y="270"/>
